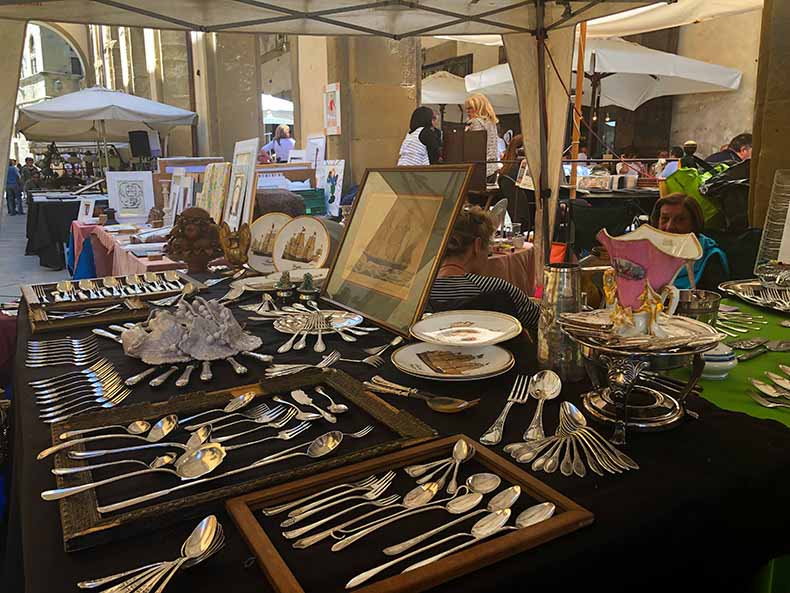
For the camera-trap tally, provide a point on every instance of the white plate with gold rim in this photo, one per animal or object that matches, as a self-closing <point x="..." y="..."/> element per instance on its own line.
<point x="467" y="327"/>
<point x="451" y="363"/>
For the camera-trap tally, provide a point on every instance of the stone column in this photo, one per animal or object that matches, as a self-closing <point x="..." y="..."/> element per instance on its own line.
<point x="139" y="78"/>
<point x="772" y="107"/>
<point x="13" y="35"/>
<point x="227" y="91"/>
<point x="379" y="85"/>
<point x="175" y="87"/>
<point x="309" y="78"/>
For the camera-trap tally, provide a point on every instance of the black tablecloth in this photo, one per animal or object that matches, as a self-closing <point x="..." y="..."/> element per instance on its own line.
<point x="708" y="507"/>
<point x="48" y="228"/>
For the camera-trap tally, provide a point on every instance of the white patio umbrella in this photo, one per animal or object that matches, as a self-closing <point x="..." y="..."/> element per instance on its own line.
<point x="277" y="111"/>
<point x="97" y="112"/>
<point x="444" y="88"/>
<point x="626" y="74"/>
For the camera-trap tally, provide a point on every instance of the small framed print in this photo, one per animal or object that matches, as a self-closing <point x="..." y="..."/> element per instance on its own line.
<point x="131" y="194"/>
<point x="394" y="240"/>
<point x="332" y="109"/>
<point x="241" y="194"/>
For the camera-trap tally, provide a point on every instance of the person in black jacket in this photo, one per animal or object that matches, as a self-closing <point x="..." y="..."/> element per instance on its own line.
<point x="739" y="149"/>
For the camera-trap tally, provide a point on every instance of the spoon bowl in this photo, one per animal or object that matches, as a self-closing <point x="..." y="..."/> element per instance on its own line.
<point x="420" y="495"/>
<point x="483" y="482"/>
<point x="545" y="385"/>
<point x="200" y="461"/>
<point x="535" y="514"/>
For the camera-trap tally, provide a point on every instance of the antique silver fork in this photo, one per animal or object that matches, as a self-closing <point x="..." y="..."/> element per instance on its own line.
<point x="518" y="395"/>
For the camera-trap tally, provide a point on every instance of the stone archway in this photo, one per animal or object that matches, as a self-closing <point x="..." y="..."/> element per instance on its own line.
<point x="78" y="38"/>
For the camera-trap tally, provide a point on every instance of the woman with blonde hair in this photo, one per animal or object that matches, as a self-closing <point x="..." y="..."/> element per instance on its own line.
<point x="482" y="117"/>
<point x="282" y="145"/>
<point x="461" y="282"/>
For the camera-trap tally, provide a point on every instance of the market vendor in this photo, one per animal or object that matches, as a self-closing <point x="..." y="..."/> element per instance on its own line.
<point x="282" y="145"/>
<point x="421" y="145"/>
<point x="461" y="282"/>
<point x="483" y="118"/>
<point x="679" y="213"/>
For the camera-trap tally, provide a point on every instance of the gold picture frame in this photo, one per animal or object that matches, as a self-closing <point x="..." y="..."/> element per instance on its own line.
<point x="393" y="242"/>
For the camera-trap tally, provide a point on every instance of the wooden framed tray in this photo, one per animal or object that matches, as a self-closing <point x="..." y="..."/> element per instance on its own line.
<point x="44" y="315"/>
<point x="84" y="526"/>
<point x="317" y="569"/>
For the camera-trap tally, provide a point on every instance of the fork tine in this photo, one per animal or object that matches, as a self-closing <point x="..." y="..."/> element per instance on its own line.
<point x="363" y="432"/>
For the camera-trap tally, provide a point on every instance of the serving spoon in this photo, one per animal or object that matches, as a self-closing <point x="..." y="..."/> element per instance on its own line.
<point x="158" y="431"/>
<point x="136" y="427"/>
<point x="491" y="525"/>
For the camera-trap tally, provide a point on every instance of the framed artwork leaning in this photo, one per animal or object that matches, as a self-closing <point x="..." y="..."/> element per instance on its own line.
<point x="241" y="195"/>
<point x="215" y="187"/>
<point x="131" y="193"/>
<point x="394" y="240"/>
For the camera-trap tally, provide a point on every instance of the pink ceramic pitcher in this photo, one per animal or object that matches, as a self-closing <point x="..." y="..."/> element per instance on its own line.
<point x="647" y="253"/>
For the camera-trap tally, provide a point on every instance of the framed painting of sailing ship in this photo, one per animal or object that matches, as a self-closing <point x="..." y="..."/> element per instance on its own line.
<point x="390" y="252"/>
<point x="264" y="232"/>
<point x="304" y="242"/>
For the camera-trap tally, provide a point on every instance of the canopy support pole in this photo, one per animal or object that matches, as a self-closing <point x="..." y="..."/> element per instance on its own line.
<point x="103" y="127"/>
<point x="543" y="193"/>
<point x="577" y="111"/>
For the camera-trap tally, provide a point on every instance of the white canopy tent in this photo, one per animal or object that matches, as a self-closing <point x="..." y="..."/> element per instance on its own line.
<point x="98" y="113"/>
<point x="629" y="75"/>
<point x="646" y="18"/>
<point x="532" y="28"/>
<point x="443" y="88"/>
<point x="277" y="111"/>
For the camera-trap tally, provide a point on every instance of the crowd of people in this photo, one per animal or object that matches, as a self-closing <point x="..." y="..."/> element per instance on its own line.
<point x="20" y="181"/>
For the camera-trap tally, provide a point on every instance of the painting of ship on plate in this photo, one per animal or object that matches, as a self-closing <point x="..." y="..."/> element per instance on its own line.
<point x="264" y="233"/>
<point x="301" y="243"/>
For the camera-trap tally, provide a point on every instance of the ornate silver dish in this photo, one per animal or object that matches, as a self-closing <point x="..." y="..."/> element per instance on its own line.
<point x="756" y="292"/>
<point x="295" y="322"/>
<point x="627" y="392"/>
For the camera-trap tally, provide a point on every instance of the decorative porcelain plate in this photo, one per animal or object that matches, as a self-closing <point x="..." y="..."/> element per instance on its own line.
<point x="302" y="243"/>
<point x="466" y="328"/>
<point x="264" y="232"/>
<point x="594" y="328"/>
<point x="294" y="323"/>
<point x="264" y="283"/>
<point x="451" y="363"/>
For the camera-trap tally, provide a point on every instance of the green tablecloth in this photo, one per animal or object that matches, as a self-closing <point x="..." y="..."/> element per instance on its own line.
<point x="731" y="394"/>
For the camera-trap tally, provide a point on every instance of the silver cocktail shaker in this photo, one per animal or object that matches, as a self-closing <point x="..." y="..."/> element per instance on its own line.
<point x="561" y="294"/>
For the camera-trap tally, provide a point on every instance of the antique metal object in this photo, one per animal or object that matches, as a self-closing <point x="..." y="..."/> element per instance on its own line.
<point x="561" y="294"/>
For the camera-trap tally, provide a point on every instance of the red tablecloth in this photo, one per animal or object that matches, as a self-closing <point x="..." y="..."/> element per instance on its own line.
<point x="109" y="255"/>
<point x="517" y="267"/>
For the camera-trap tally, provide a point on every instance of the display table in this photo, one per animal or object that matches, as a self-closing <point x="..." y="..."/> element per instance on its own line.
<point x="517" y="267"/>
<point x="109" y="254"/>
<point x="48" y="225"/>
<point x="706" y="510"/>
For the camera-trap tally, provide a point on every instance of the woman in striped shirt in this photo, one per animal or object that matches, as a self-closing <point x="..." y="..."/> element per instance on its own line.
<point x="461" y="283"/>
<point x="420" y="147"/>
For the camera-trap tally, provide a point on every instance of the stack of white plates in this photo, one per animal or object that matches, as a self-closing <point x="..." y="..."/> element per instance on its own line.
<point x="459" y="346"/>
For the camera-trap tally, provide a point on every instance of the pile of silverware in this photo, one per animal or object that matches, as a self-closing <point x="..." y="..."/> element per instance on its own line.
<point x="206" y="445"/>
<point x="74" y="351"/>
<point x="777" y="391"/>
<point x="575" y="437"/>
<point x="93" y="388"/>
<point x="205" y="540"/>
<point x="346" y="511"/>
<point x="110" y="287"/>
<point x="733" y="323"/>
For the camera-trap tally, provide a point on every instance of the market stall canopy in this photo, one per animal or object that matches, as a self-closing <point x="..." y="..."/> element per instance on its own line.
<point x="277" y="111"/>
<point x="77" y="116"/>
<point x="395" y="19"/>
<point x="443" y="88"/>
<point x="659" y="15"/>
<point x="632" y="75"/>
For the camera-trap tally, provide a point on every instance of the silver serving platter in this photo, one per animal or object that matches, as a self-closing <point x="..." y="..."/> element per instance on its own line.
<point x="688" y="336"/>
<point x="753" y="292"/>
<point x="294" y="322"/>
